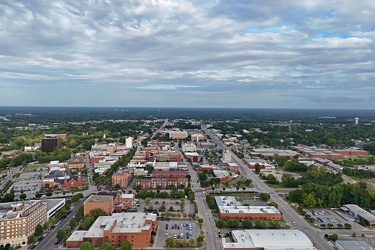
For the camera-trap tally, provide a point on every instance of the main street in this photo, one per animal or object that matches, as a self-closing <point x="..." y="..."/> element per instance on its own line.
<point x="289" y="214"/>
<point x="49" y="241"/>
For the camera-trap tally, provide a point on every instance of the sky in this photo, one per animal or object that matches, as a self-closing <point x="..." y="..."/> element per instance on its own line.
<point x="188" y="53"/>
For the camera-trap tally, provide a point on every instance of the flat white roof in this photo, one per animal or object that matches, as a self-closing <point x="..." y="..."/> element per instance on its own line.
<point x="126" y="223"/>
<point x="270" y="240"/>
<point x="248" y="209"/>
<point x="220" y="173"/>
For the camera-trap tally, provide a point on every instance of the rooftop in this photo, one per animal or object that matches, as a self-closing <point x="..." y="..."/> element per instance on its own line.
<point x="270" y="240"/>
<point x="360" y="212"/>
<point x="121" y="222"/>
<point x="99" y="199"/>
<point x="248" y="209"/>
<point x="220" y="173"/>
<point x="353" y="245"/>
<point x="227" y="201"/>
<point x="18" y="209"/>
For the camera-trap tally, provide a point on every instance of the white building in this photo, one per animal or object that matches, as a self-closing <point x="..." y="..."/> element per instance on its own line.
<point x="129" y="142"/>
<point x="197" y="137"/>
<point x="227" y="156"/>
<point x="269" y="240"/>
<point x="188" y="147"/>
<point x="356" y="121"/>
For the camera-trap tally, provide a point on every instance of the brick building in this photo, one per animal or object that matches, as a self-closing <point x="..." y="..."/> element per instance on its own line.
<point x="104" y="202"/>
<point x="124" y="202"/>
<point x="76" y="162"/>
<point x="155" y="183"/>
<point x="63" y="179"/>
<point x="249" y="212"/>
<point x="123" y="179"/>
<point x="19" y="220"/>
<point x="169" y="174"/>
<point x="134" y="227"/>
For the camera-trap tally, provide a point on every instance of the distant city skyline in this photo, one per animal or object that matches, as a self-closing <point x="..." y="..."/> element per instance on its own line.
<point x="208" y="54"/>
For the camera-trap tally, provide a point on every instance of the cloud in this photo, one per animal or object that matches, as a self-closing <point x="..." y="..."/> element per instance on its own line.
<point x="247" y="50"/>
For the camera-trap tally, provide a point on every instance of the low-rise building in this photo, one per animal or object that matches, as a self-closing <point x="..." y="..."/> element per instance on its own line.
<point x="115" y="229"/>
<point x="178" y="134"/>
<point x="232" y="167"/>
<point x="359" y="213"/>
<point x="188" y="147"/>
<point x="249" y="212"/>
<point x="63" y="179"/>
<point x="197" y="137"/>
<point x="104" y="202"/>
<point x="160" y="183"/>
<point x="124" y="202"/>
<point x="268" y="240"/>
<point x="169" y="174"/>
<point x="18" y="220"/>
<point x="227" y="156"/>
<point x="123" y="179"/>
<point x="223" y="175"/>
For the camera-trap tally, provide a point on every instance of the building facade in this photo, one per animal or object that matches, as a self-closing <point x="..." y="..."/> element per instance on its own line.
<point x="19" y="220"/>
<point x="104" y="202"/>
<point x="123" y="179"/>
<point x="134" y="227"/>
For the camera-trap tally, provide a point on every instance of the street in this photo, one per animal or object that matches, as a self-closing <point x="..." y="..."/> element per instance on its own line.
<point x="289" y="214"/>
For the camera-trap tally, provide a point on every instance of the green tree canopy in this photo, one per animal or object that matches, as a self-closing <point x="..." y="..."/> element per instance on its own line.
<point x="61" y="235"/>
<point x="126" y="245"/>
<point x="38" y="230"/>
<point x="107" y="246"/>
<point x="86" y="246"/>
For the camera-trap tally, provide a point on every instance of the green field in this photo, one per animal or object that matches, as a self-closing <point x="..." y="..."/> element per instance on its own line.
<point x="34" y="167"/>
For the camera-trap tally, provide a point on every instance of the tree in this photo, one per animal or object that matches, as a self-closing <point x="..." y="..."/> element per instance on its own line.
<point x="274" y="224"/>
<point x="264" y="196"/>
<point x="86" y="245"/>
<point x="220" y="223"/>
<point x="257" y="168"/>
<point x="260" y="223"/>
<point x="23" y="196"/>
<point x="68" y="229"/>
<point x="271" y="179"/>
<point x="61" y="235"/>
<point x="30" y="240"/>
<point x="191" y="242"/>
<point x="73" y="222"/>
<point x="107" y="246"/>
<point x="38" y="230"/>
<point x="117" y="186"/>
<point x="309" y="201"/>
<point x="169" y="242"/>
<point x="49" y="194"/>
<point x="126" y="245"/>
<point x="247" y="223"/>
<point x="203" y="176"/>
<point x="9" y="197"/>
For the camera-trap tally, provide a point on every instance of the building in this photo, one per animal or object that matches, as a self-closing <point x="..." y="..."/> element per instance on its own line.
<point x="18" y="220"/>
<point x="124" y="202"/>
<point x="356" y="121"/>
<point x="188" y="147"/>
<point x="268" y="240"/>
<point x="223" y="175"/>
<point x="54" y="205"/>
<point x="134" y="227"/>
<point x="178" y="134"/>
<point x="123" y="179"/>
<point x="232" y="167"/>
<point x="76" y="162"/>
<point x="227" y="156"/>
<point x="268" y="153"/>
<point x="169" y="174"/>
<point x="229" y="207"/>
<point x="129" y="142"/>
<point x="160" y="183"/>
<point x="249" y="212"/>
<point x="63" y="179"/>
<point x="263" y="164"/>
<point x="359" y="213"/>
<point x="50" y="143"/>
<point x="197" y="137"/>
<point x="104" y="202"/>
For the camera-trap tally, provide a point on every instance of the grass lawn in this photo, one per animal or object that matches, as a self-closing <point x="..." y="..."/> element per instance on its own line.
<point x="33" y="167"/>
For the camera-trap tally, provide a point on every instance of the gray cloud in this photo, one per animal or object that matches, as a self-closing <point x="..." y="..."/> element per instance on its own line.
<point x="206" y="51"/>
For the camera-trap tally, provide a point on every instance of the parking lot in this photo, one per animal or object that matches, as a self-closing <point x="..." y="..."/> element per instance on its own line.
<point x="177" y="229"/>
<point x="28" y="187"/>
<point x="326" y="217"/>
<point x="189" y="207"/>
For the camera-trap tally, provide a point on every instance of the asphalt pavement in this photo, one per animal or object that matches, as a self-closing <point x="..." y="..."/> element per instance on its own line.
<point x="289" y="214"/>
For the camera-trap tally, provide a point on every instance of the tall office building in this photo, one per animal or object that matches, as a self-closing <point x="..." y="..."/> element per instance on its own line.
<point x="356" y="120"/>
<point x="50" y="142"/>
